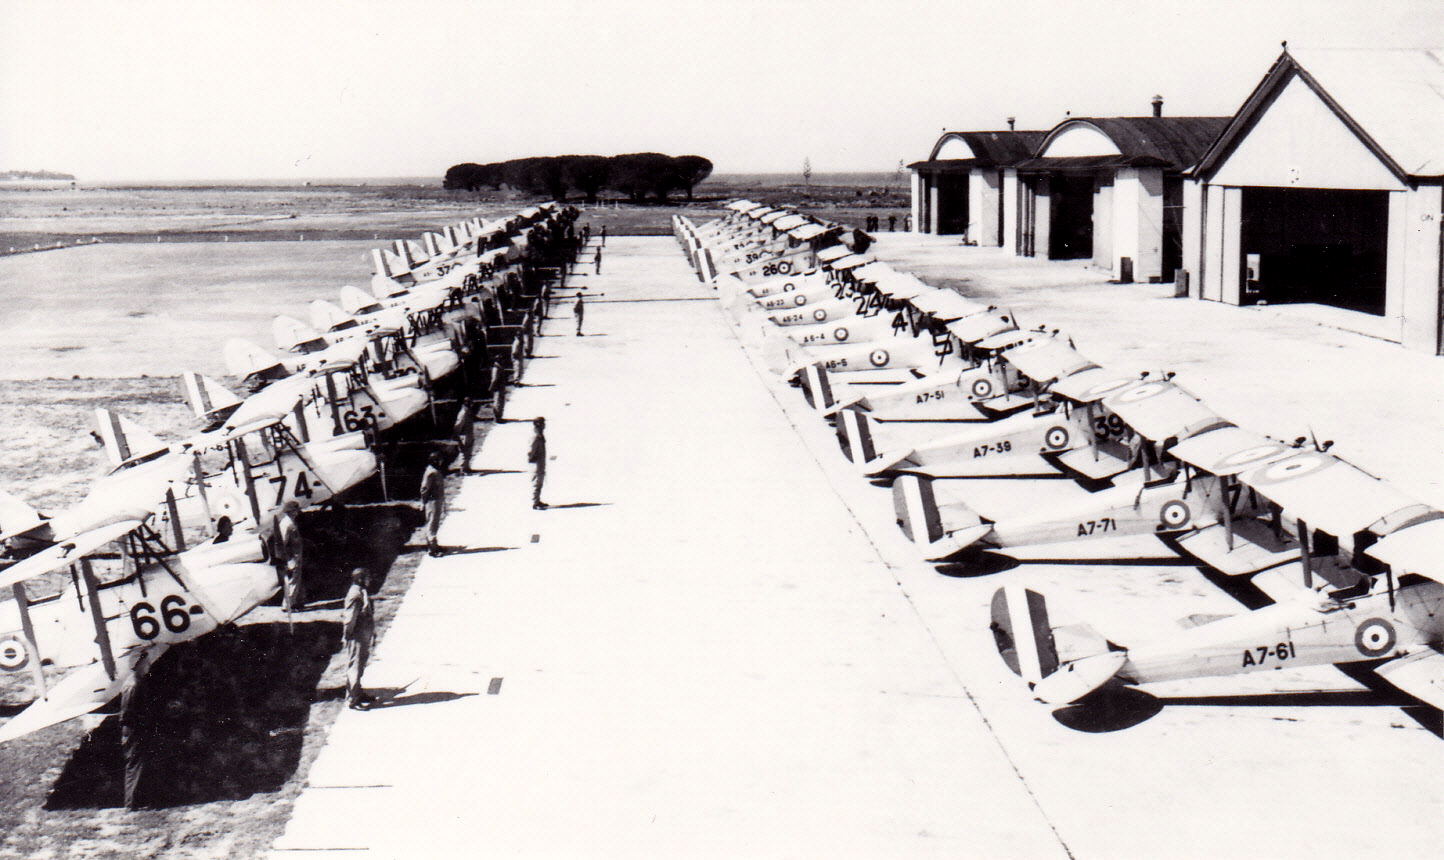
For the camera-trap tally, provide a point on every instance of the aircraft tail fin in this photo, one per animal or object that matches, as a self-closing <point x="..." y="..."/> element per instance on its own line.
<point x="16" y="517"/>
<point x="1061" y="663"/>
<point x="816" y="387"/>
<point x="125" y="441"/>
<point x="854" y="432"/>
<point x="207" y="398"/>
<point x="245" y="359"/>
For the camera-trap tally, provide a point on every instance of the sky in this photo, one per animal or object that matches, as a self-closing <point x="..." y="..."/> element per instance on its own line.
<point x="258" y="89"/>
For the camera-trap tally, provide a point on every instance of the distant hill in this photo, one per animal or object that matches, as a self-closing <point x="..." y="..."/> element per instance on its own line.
<point x="35" y="174"/>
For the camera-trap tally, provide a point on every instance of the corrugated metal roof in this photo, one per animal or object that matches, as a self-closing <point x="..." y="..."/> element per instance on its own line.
<point x="1177" y="142"/>
<point x="998" y="148"/>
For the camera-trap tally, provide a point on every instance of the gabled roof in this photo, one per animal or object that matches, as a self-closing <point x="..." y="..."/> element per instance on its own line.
<point x="1173" y="142"/>
<point x="1392" y="100"/>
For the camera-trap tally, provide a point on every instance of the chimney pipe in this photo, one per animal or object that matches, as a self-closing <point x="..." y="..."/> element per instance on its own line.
<point x="1011" y="120"/>
<point x="1158" y="105"/>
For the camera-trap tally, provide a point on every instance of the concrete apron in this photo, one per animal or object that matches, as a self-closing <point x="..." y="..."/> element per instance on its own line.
<point x="696" y="651"/>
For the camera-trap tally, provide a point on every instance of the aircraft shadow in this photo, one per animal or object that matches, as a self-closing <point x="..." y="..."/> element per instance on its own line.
<point x="338" y="541"/>
<point x="972" y="563"/>
<point x="1114" y="708"/>
<point x="227" y="716"/>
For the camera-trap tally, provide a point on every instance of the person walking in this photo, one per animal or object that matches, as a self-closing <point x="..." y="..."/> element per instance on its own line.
<point x="358" y="629"/>
<point x="464" y="431"/>
<point x="579" y="310"/>
<point x="433" y="500"/>
<point x="538" y="458"/>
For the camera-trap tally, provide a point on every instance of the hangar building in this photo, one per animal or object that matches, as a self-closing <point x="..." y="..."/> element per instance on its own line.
<point x="1110" y="189"/>
<point x="1325" y="187"/>
<point x="967" y="185"/>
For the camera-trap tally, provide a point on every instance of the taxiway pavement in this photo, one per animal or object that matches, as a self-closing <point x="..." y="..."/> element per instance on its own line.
<point x="717" y="643"/>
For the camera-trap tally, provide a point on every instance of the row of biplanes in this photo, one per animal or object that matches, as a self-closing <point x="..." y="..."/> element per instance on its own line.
<point x="180" y="538"/>
<point x="931" y="391"/>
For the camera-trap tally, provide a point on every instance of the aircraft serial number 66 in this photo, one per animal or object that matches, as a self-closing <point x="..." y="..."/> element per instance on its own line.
<point x="173" y="613"/>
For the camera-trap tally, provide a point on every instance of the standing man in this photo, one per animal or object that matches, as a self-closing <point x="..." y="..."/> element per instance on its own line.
<point x="598" y="258"/>
<point x="134" y="738"/>
<point x="538" y="458"/>
<point x="290" y="551"/>
<point x="359" y="630"/>
<point x="604" y="235"/>
<point x="464" y="430"/>
<point x="498" y="391"/>
<point x="578" y="310"/>
<point x="433" y="499"/>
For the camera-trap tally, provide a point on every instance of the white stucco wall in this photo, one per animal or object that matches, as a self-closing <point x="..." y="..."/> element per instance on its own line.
<point x="987" y="183"/>
<point x="1010" y="210"/>
<point x="917" y="201"/>
<point x="1300" y="143"/>
<point x="1079" y="140"/>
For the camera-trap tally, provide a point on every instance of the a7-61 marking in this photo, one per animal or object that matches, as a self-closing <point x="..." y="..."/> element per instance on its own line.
<point x="1256" y="655"/>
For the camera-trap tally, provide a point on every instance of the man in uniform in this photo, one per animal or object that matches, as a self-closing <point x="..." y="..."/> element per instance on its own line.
<point x="497" y="390"/>
<point x="291" y="551"/>
<point x="598" y="258"/>
<point x="464" y="431"/>
<point x="538" y="458"/>
<point x="433" y="499"/>
<point x="358" y="629"/>
<point x="578" y="310"/>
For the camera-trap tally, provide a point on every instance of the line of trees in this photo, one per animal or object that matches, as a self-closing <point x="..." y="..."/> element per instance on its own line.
<point x="636" y="175"/>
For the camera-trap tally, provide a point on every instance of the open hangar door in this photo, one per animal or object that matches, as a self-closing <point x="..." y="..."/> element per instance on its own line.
<point x="1070" y="228"/>
<point x="952" y="204"/>
<point x="1326" y="246"/>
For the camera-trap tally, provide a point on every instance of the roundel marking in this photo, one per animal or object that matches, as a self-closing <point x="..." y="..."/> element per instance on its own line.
<point x="1142" y="392"/>
<point x="1056" y="437"/>
<point x="785" y="267"/>
<point x="1249" y="455"/>
<point x="840" y="334"/>
<point x="1297" y="466"/>
<point x="878" y="357"/>
<point x="799" y="300"/>
<point x="820" y="314"/>
<point x="788" y="287"/>
<point x="13" y="654"/>
<point x="1103" y="387"/>
<point x="982" y="387"/>
<point x="1174" y="514"/>
<point x="1375" y="637"/>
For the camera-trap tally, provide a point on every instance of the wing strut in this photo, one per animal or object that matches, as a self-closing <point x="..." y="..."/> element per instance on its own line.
<point x="27" y="629"/>
<point x="92" y="597"/>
